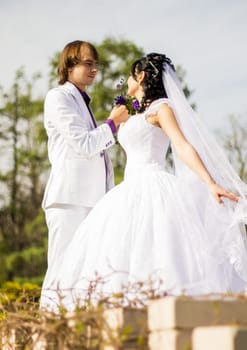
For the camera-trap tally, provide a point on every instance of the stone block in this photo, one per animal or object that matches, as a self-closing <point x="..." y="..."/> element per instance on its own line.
<point x="170" y="339"/>
<point x="125" y="328"/>
<point x="188" y="312"/>
<point x="220" y="338"/>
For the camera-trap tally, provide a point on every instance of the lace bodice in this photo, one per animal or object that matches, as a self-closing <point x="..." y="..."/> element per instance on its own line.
<point x="144" y="143"/>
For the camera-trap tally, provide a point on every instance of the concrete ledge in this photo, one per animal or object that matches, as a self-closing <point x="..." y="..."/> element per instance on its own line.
<point x="119" y="318"/>
<point x="220" y="338"/>
<point x="124" y="327"/>
<point x="175" y="323"/>
<point x="187" y="313"/>
<point x="170" y="340"/>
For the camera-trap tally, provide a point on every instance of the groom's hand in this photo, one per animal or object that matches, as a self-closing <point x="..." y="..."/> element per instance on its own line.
<point x="119" y="114"/>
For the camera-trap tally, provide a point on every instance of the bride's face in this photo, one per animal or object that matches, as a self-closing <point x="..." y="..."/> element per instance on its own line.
<point x="133" y="86"/>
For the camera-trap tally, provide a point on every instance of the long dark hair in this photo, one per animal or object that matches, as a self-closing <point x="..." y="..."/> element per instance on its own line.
<point x="153" y="87"/>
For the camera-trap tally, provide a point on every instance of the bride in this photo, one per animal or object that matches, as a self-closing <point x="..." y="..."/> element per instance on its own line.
<point x="186" y="229"/>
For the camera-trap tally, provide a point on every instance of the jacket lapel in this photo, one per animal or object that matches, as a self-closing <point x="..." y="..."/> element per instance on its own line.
<point x="80" y="101"/>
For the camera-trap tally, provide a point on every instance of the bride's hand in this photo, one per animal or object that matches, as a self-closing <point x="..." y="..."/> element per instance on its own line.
<point x="218" y="192"/>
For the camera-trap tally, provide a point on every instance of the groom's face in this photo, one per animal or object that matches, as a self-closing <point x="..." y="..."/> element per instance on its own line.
<point x="83" y="73"/>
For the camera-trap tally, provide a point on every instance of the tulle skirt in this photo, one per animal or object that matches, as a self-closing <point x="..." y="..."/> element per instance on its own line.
<point x="148" y="229"/>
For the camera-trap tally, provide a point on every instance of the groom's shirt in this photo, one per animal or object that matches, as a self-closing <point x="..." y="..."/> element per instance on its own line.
<point x="87" y="100"/>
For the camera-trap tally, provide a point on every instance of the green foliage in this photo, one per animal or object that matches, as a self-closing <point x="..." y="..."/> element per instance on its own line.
<point x="235" y="142"/>
<point x="24" y="149"/>
<point x="30" y="262"/>
<point x="12" y="291"/>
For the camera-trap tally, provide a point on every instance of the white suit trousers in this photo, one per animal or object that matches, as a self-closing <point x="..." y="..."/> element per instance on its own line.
<point x="62" y="221"/>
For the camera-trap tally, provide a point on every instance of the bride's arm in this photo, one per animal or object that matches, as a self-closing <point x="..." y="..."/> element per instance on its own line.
<point x="188" y="154"/>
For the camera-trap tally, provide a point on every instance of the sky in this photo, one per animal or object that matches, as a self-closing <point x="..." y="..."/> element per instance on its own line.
<point x="207" y="38"/>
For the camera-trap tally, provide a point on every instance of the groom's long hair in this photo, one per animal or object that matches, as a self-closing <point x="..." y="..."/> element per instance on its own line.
<point x="71" y="56"/>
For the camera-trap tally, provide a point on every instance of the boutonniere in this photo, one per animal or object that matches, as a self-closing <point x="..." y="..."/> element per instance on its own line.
<point x="131" y="103"/>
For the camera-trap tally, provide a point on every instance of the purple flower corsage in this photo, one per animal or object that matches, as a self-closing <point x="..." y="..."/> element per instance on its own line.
<point x="131" y="103"/>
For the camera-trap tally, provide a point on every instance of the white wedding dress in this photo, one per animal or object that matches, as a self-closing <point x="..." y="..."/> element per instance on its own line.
<point x="148" y="228"/>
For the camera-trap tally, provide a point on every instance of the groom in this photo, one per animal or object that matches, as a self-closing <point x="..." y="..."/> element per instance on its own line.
<point x="81" y="172"/>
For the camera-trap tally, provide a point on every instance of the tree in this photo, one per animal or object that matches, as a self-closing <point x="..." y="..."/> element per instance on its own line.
<point x="235" y="143"/>
<point x="24" y="147"/>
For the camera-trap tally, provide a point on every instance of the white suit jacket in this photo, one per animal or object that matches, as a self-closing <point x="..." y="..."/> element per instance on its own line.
<point x="78" y="174"/>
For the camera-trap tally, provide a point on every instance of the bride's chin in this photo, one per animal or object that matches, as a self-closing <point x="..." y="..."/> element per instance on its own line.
<point x="131" y="94"/>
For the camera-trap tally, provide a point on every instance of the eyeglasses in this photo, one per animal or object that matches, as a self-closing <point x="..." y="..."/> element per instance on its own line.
<point x="90" y="65"/>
